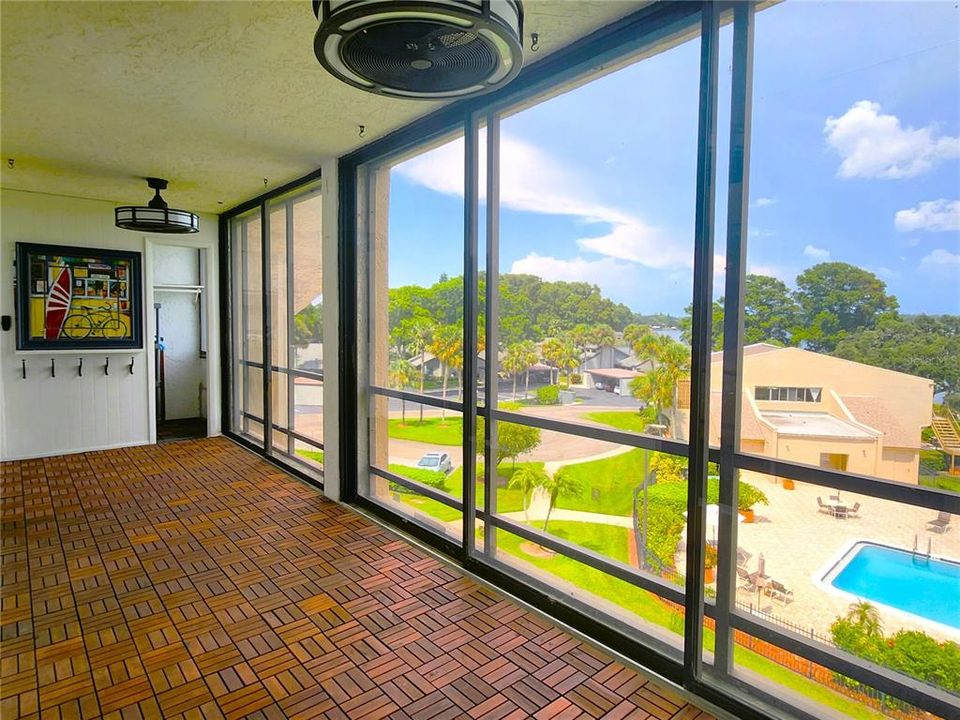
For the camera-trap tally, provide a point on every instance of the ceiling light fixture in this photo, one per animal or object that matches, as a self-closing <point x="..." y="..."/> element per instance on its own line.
<point x="156" y="216"/>
<point x="421" y="49"/>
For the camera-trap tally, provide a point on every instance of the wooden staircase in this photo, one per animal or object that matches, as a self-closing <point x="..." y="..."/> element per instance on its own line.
<point x="946" y="432"/>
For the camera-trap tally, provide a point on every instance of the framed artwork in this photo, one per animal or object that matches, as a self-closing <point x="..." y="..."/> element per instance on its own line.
<point x="75" y="298"/>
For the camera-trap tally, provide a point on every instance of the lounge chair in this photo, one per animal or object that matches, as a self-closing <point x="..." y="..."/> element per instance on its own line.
<point x="824" y="508"/>
<point x="854" y="511"/>
<point x="748" y="579"/>
<point x="940" y="524"/>
<point x="777" y="591"/>
<point x="743" y="557"/>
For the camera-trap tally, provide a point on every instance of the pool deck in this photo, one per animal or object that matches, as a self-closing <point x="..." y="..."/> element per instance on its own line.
<point x="800" y="545"/>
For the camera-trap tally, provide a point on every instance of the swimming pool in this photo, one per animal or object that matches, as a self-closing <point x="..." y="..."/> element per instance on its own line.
<point x="922" y="586"/>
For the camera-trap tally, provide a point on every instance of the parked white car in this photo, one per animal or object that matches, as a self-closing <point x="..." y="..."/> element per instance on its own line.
<point x="441" y="462"/>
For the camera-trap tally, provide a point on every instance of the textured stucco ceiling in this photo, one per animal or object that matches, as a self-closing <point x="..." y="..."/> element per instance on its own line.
<point x="213" y="96"/>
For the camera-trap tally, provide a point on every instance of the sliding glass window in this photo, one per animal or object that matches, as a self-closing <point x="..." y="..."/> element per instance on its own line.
<point x="277" y="339"/>
<point x="705" y="418"/>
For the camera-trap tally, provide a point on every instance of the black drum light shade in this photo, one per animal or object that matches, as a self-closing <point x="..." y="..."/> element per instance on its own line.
<point x="155" y="216"/>
<point x="421" y="49"/>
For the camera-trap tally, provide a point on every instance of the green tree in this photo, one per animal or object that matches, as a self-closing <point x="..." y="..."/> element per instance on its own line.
<point x="924" y="345"/>
<point x="401" y="374"/>
<point x="308" y="325"/>
<point x="526" y="479"/>
<point x="553" y="351"/>
<point x="770" y="314"/>
<point x="562" y="483"/>
<point x="836" y="299"/>
<point x="530" y="357"/>
<point x="421" y="335"/>
<point x="602" y="335"/>
<point x="671" y="363"/>
<point x="512" y="439"/>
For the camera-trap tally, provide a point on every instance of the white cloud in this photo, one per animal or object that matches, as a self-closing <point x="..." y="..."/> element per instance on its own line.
<point x="887" y="273"/>
<point x="815" y="253"/>
<point x="939" y="259"/>
<point x="764" y="202"/>
<point x="532" y="180"/>
<point x="606" y="272"/>
<point x="762" y="233"/>
<point x="774" y="271"/>
<point x="877" y="146"/>
<point x="933" y="215"/>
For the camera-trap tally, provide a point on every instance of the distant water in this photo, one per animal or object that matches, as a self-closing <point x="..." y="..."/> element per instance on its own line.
<point x="669" y="332"/>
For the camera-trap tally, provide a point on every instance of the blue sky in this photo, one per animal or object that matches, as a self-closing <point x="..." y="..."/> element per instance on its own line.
<point x="855" y="158"/>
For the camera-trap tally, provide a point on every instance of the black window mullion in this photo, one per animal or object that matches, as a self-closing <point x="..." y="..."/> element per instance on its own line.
<point x="737" y="209"/>
<point x="701" y="345"/>
<point x="265" y="305"/>
<point x="291" y="325"/>
<point x="491" y="379"/>
<point x="244" y="325"/>
<point x="470" y="281"/>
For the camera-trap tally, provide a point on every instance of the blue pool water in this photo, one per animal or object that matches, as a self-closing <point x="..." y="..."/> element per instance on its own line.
<point x="924" y="587"/>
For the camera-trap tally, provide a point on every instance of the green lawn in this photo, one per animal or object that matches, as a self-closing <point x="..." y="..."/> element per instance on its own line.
<point x="507" y="500"/>
<point x="613" y="479"/>
<point x="431" y="430"/>
<point x="629" y="420"/>
<point x="648" y="607"/>
<point x="943" y="481"/>
<point x="315" y="455"/>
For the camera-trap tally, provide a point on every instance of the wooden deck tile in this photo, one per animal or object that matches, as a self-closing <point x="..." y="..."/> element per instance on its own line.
<point x="194" y="580"/>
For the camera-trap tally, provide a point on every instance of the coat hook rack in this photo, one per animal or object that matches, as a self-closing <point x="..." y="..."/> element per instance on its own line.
<point x="131" y="364"/>
<point x="106" y="366"/>
<point x="23" y="369"/>
<point x="53" y="367"/>
<point x="80" y="368"/>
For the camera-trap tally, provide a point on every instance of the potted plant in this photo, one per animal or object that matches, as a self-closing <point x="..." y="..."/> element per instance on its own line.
<point x="748" y="496"/>
<point x="709" y="564"/>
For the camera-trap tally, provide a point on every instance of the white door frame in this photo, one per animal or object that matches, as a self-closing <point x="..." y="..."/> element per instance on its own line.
<point x="211" y="308"/>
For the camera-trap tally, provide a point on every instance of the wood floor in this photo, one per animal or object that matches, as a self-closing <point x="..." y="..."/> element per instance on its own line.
<point x="195" y="580"/>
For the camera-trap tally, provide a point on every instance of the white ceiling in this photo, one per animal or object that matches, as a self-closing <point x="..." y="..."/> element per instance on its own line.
<point x="213" y="96"/>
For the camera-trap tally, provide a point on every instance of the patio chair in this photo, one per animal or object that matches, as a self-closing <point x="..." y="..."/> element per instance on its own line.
<point x="743" y="557"/>
<point x="778" y="591"/>
<point x="854" y="511"/>
<point x="940" y="524"/>
<point x="748" y="580"/>
<point x="822" y="507"/>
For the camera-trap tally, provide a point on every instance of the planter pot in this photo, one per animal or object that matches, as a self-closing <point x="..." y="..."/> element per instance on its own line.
<point x="788" y="484"/>
<point x="747" y="514"/>
<point x="709" y="575"/>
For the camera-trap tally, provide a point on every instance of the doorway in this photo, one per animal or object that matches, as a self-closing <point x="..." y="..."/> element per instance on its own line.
<point x="834" y="461"/>
<point x="179" y="337"/>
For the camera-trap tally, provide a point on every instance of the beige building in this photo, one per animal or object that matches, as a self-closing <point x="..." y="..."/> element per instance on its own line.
<point x="820" y="410"/>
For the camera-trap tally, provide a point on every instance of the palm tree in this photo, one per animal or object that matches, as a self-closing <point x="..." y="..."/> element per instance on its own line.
<point x="552" y="350"/>
<point x="568" y="359"/>
<point x="561" y="484"/>
<point x="579" y="338"/>
<point x="530" y="357"/>
<point x="526" y="479"/>
<point x="447" y="347"/>
<point x="866" y="616"/>
<point x="602" y="335"/>
<point x="421" y="337"/>
<point x="515" y="362"/>
<point x="670" y="362"/>
<point x="399" y="375"/>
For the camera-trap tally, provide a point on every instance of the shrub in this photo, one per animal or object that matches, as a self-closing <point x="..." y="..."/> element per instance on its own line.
<point x="548" y="395"/>
<point x="933" y="461"/>
<point x="576" y="379"/>
<point x="431" y="478"/>
<point x="710" y="556"/>
<point x="748" y="496"/>
<point x="669" y="468"/>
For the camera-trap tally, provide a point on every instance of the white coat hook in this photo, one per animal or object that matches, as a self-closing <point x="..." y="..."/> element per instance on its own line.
<point x="362" y="130"/>
<point x="534" y="42"/>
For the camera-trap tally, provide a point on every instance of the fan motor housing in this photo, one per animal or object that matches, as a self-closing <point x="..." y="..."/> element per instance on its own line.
<point x="426" y="49"/>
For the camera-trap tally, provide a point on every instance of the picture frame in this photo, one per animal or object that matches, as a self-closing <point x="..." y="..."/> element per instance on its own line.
<point x="78" y="298"/>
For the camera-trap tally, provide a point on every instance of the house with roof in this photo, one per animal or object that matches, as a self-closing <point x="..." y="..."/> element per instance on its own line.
<point x="816" y="409"/>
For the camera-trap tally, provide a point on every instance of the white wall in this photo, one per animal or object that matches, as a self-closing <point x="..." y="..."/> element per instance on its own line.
<point x="47" y="416"/>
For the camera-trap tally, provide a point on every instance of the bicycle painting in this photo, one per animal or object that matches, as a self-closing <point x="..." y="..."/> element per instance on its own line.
<point x="73" y="298"/>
